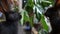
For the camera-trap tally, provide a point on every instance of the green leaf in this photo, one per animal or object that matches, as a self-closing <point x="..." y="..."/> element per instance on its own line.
<point x="45" y="26"/>
<point x="26" y="17"/>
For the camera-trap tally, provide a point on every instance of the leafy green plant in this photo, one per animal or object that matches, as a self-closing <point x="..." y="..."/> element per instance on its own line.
<point x="36" y="7"/>
<point x="39" y="9"/>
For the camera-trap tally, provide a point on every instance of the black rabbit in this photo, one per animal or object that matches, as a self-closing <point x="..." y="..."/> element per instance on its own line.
<point x="10" y="26"/>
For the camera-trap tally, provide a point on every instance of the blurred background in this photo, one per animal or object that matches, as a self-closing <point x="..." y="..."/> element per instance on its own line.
<point x="33" y="20"/>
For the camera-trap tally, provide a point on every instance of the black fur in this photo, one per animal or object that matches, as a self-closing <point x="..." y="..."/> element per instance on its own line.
<point x="10" y="26"/>
<point x="53" y="14"/>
